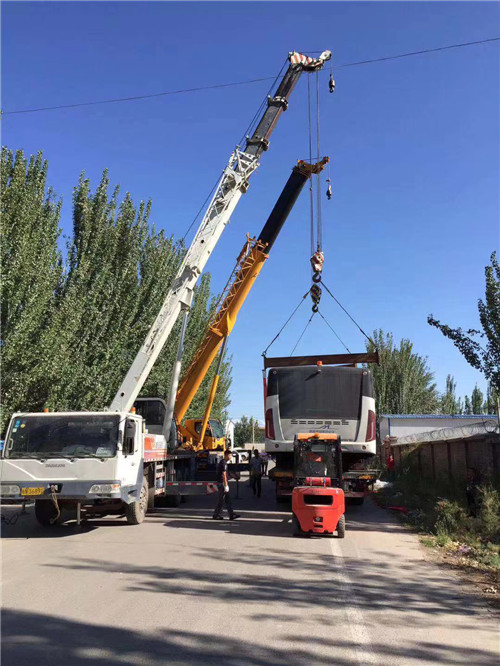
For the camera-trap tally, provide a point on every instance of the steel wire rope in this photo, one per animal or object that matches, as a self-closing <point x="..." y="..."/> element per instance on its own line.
<point x="241" y="83"/>
<point x="311" y="192"/>
<point x="350" y="317"/>
<point x="251" y="125"/>
<point x="285" y="324"/>
<point x="302" y="334"/>
<point x="334" y="332"/>
<point x="319" y="232"/>
<point x="247" y="131"/>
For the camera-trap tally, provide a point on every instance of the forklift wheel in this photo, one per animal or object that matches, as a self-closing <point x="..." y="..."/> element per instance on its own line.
<point x="296" y="531"/>
<point x="341" y="527"/>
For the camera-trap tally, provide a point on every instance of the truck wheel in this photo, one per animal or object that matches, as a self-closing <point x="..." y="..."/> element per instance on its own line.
<point x="341" y="527"/>
<point x="296" y="531"/>
<point x="136" y="512"/>
<point x="45" y="512"/>
<point x="151" y="497"/>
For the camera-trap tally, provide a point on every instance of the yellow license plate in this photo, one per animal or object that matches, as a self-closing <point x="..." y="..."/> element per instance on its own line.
<point x="32" y="491"/>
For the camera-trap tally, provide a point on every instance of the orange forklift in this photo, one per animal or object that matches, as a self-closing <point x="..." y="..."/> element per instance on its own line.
<point x="318" y="502"/>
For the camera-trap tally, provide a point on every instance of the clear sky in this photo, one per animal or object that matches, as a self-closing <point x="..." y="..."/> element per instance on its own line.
<point x="414" y="144"/>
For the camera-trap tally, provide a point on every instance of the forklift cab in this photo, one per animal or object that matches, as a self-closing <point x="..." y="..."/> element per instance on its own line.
<point x="318" y="457"/>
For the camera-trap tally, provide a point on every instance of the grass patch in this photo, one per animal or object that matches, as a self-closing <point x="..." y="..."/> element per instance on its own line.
<point x="439" y="510"/>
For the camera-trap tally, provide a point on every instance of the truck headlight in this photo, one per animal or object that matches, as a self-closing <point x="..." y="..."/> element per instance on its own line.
<point x="10" y="490"/>
<point x="105" y="488"/>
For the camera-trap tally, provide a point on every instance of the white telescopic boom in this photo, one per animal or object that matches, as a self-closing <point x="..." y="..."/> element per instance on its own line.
<point x="233" y="184"/>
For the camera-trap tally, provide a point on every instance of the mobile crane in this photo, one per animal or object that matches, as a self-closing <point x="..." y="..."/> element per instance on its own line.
<point x="249" y="264"/>
<point x="106" y="461"/>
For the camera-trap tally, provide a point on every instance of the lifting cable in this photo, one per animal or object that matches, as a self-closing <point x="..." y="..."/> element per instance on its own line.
<point x="334" y="332"/>
<point x="351" y="318"/>
<point x="301" y="335"/>
<point x="287" y="321"/>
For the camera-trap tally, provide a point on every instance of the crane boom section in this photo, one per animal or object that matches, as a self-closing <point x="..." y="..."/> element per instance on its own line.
<point x="249" y="264"/>
<point x="233" y="183"/>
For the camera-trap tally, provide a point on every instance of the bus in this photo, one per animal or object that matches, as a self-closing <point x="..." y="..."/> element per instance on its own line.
<point x="333" y="399"/>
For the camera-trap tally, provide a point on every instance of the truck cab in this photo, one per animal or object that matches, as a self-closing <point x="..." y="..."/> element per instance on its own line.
<point x="91" y="458"/>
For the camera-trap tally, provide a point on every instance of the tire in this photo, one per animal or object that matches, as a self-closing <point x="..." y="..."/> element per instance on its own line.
<point x="136" y="512"/>
<point x="45" y="512"/>
<point x="151" y="495"/>
<point x="341" y="527"/>
<point x="296" y="531"/>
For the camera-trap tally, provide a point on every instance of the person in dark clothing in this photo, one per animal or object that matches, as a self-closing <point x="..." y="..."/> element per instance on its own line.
<point x="256" y="473"/>
<point x="472" y="491"/>
<point x="223" y="489"/>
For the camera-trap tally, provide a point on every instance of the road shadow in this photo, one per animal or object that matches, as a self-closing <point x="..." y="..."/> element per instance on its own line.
<point x="33" y="638"/>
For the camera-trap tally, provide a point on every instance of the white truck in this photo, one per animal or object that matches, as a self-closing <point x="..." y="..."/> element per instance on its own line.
<point x="114" y="461"/>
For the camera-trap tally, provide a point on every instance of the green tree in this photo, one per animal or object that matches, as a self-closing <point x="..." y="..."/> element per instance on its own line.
<point x="449" y="404"/>
<point x="31" y="275"/>
<point x="477" y="401"/>
<point x="73" y="352"/>
<point x="468" y="405"/>
<point x="403" y="381"/>
<point x="491" y="403"/>
<point x="247" y="430"/>
<point x="485" y="358"/>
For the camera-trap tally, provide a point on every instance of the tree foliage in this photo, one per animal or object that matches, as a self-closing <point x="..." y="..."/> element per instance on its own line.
<point x="449" y="403"/>
<point x="477" y="401"/>
<point x="485" y="358"/>
<point x="247" y="430"/>
<point x="403" y="382"/>
<point x="72" y="328"/>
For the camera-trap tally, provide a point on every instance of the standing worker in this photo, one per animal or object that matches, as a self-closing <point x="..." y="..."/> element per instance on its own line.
<point x="223" y="489"/>
<point x="256" y="473"/>
<point x="265" y="461"/>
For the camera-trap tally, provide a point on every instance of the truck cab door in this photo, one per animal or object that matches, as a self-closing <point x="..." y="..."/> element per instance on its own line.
<point x="131" y="460"/>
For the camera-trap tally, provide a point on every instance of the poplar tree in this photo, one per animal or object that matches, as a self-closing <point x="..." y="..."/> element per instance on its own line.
<point x="72" y="329"/>
<point x="449" y="403"/>
<point x="481" y="349"/>
<point x="477" y="401"/>
<point x="31" y="276"/>
<point x="403" y="381"/>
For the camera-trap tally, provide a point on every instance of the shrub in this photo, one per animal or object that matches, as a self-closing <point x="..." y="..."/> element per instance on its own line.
<point x="451" y="519"/>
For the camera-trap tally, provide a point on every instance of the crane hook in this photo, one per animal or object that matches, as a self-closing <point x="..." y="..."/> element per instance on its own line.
<point x="329" y="189"/>
<point x="331" y="84"/>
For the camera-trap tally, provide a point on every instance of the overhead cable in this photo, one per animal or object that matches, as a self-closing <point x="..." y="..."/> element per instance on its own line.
<point x="241" y="83"/>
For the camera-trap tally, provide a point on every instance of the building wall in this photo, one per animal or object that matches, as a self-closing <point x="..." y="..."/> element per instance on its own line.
<point x="452" y="458"/>
<point x="400" y="425"/>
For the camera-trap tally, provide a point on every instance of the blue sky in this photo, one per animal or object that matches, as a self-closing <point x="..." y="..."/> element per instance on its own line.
<point x="413" y="142"/>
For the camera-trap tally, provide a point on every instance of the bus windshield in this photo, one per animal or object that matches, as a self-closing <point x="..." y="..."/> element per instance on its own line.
<point x="63" y="436"/>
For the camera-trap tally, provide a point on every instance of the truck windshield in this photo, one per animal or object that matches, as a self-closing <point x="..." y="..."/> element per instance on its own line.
<point x="65" y="436"/>
<point x="216" y="428"/>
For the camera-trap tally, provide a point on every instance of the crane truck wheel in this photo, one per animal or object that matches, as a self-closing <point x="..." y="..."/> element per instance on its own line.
<point x="46" y="512"/>
<point x="341" y="527"/>
<point x="136" y="512"/>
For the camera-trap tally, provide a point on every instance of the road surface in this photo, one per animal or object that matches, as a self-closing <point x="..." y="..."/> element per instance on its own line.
<point x="184" y="590"/>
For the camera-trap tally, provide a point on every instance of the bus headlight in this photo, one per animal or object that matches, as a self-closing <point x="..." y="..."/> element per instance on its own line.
<point x="105" y="488"/>
<point x="10" y="490"/>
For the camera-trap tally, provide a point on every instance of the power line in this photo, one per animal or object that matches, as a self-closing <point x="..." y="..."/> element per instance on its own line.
<point x="241" y="83"/>
<point x="136" y="97"/>
<point x="414" y="53"/>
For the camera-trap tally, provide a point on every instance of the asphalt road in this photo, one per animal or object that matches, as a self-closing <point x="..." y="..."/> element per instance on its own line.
<point x="184" y="590"/>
